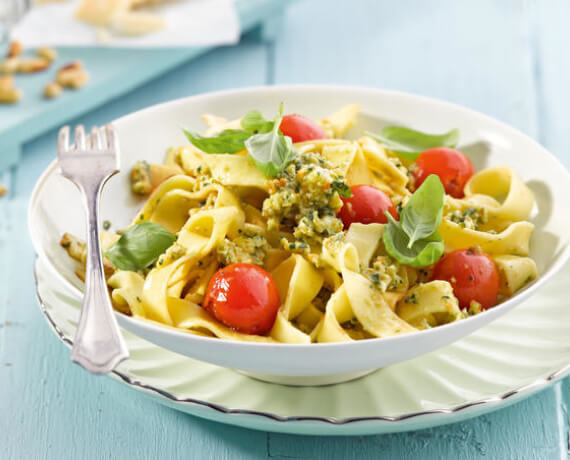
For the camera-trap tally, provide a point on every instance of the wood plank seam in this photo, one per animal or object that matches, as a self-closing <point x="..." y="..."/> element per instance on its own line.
<point x="5" y="225"/>
<point x="530" y="13"/>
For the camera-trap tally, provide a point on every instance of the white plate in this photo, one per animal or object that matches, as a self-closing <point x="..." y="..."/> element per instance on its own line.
<point x="510" y="359"/>
<point x="55" y="207"/>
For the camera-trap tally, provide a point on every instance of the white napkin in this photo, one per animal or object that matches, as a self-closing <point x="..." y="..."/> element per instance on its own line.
<point x="189" y="23"/>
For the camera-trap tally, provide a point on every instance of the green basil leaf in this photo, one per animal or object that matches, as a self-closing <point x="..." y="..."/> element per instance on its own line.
<point x="228" y="141"/>
<point x="423" y="252"/>
<point x="423" y="212"/>
<point x="416" y="140"/>
<point x="271" y="151"/>
<point x="341" y="188"/>
<point x="409" y="143"/>
<point x="254" y="123"/>
<point x="140" y="246"/>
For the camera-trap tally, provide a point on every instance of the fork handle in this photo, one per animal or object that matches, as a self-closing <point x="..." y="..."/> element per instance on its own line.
<point x="98" y="345"/>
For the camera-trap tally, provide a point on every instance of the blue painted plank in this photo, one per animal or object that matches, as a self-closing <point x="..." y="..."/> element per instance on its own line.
<point x="503" y="435"/>
<point x="550" y="36"/>
<point x="551" y="67"/>
<point x="482" y="55"/>
<point x="113" y="71"/>
<point x="50" y="408"/>
<point x="473" y="53"/>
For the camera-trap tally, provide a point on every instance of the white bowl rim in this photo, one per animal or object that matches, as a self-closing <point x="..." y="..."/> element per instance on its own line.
<point x="394" y="340"/>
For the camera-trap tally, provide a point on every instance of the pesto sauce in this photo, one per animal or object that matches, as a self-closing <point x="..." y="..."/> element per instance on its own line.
<point x="304" y="201"/>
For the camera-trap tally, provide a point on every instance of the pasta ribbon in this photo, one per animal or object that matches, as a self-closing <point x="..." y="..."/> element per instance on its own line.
<point x="429" y="305"/>
<point x="155" y="291"/>
<point x="386" y="175"/>
<point x="337" y="123"/>
<point x="338" y="311"/>
<point x="298" y="283"/>
<point x="127" y="291"/>
<point x="217" y="124"/>
<point x="171" y="202"/>
<point x="188" y="315"/>
<point x="502" y="182"/>
<point x="357" y="298"/>
<point x="205" y="230"/>
<point x="514" y="272"/>
<point x="513" y="240"/>
<point x="228" y="170"/>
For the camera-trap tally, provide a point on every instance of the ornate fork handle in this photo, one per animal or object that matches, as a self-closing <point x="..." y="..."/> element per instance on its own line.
<point x="98" y="344"/>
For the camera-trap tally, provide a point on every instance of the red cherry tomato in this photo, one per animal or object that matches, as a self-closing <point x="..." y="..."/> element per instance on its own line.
<point x="367" y="205"/>
<point x="300" y="129"/>
<point x="453" y="168"/>
<point x="243" y="297"/>
<point x="472" y="274"/>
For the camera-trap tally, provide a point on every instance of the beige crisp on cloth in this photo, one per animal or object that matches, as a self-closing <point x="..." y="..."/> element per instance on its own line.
<point x="168" y="23"/>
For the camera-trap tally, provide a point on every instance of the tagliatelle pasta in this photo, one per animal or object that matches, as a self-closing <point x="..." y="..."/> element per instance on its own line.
<point x="301" y="219"/>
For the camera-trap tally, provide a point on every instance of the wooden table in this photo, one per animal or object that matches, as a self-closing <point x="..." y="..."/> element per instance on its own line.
<point x="508" y="59"/>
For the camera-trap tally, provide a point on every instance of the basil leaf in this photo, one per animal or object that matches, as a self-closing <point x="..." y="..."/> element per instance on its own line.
<point x="254" y="123"/>
<point x="409" y="143"/>
<point x="423" y="212"/>
<point x="414" y="240"/>
<point x="228" y="141"/>
<point x="416" y="140"/>
<point x="271" y="151"/>
<point x="341" y="188"/>
<point x="420" y="254"/>
<point x="140" y="246"/>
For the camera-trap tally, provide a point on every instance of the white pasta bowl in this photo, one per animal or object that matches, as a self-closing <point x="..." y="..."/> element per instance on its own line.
<point x="55" y="207"/>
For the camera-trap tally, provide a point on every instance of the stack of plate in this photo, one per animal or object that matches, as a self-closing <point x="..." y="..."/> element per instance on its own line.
<point x="510" y="354"/>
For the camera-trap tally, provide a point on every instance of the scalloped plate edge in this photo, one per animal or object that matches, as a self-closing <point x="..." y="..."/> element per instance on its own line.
<point x="309" y="425"/>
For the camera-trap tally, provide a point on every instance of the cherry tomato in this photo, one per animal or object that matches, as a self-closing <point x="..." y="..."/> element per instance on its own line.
<point x="453" y="168"/>
<point x="243" y="297"/>
<point x="472" y="274"/>
<point x="300" y="129"/>
<point x="367" y="205"/>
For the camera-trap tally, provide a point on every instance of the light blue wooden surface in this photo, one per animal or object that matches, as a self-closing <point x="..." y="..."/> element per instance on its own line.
<point x="113" y="71"/>
<point x="508" y="59"/>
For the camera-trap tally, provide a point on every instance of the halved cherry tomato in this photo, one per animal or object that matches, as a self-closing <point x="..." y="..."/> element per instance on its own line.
<point x="453" y="168"/>
<point x="367" y="205"/>
<point x="243" y="297"/>
<point x="472" y="274"/>
<point x="300" y="129"/>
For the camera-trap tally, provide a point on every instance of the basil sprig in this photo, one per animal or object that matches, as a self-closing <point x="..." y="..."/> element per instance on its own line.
<point x="232" y="140"/>
<point x="415" y="240"/>
<point x="228" y="141"/>
<point x="409" y="143"/>
<point x="271" y="151"/>
<point x="139" y="246"/>
<point x="254" y="123"/>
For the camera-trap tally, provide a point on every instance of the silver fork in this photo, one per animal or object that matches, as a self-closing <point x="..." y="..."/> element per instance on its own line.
<point x="98" y="344"/>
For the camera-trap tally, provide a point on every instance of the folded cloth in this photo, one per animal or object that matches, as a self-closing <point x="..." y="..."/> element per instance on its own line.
<point x="186" y="23"/>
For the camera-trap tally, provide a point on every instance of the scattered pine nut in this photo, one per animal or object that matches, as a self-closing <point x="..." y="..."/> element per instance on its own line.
<point x="15" y="49"/>
<point x="9" y="94"/>
<point x="7" y="81"/>
<point x="31" y="65"/>
<point x="3" y="190"/>
<point x="46" y="52"/>
<point x="9" y="65"/>
<point x="52" y="90"/>
<point x="72" y="75"/>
